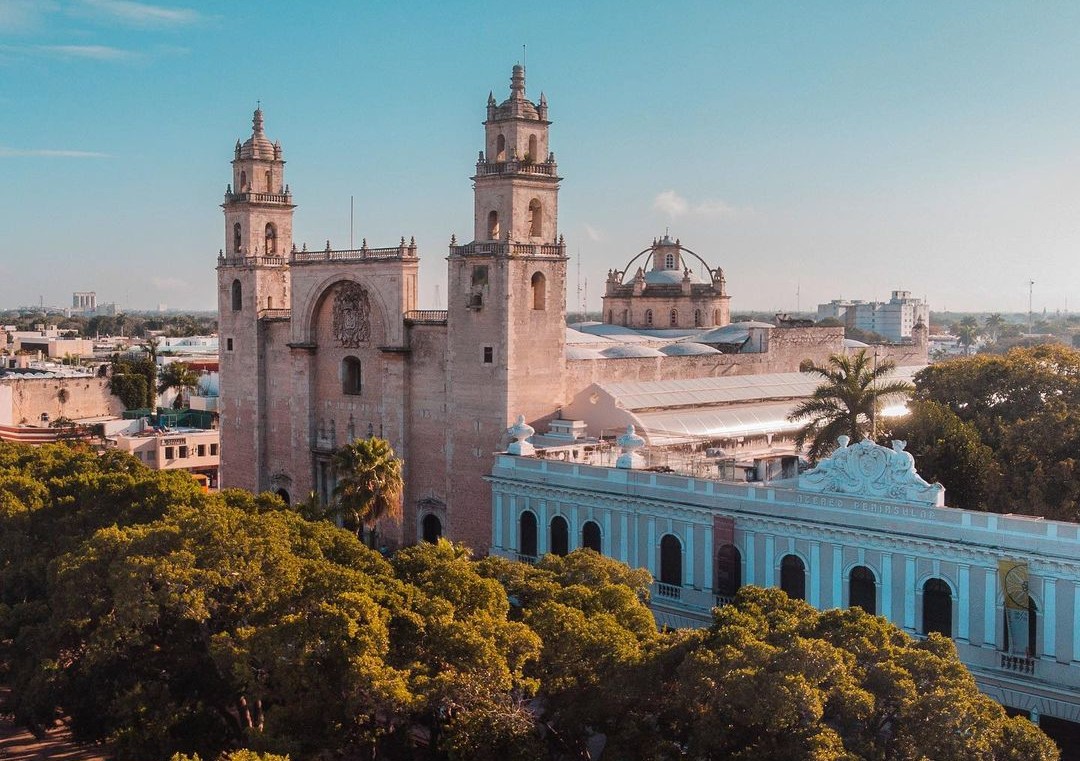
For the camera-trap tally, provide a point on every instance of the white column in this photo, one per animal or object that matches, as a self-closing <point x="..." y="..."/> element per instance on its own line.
<point x="1049" y="619"/>
<point x="769" y="579"/>
<point x="909" y="592"/>
<point x="575" y="529"/>
<point x="497" y="539"/>
<point x="543" y="531"/>
<point x="688" y="576"/>
<point x="814" y="598"/>
<point x="837" y="576"/>
<point x="624" y="540"/>
<point x="651" y="547"/>
<point x="990" y="607"/>
<point x="710" y="560"/>
<point x="752" y="575"/>
<point x="514" y="533"/>
<point x="607" y="539"/>
<point x="886" y="585"/>
<point x="1076" y="624"/>
<point x="964" y="603"/>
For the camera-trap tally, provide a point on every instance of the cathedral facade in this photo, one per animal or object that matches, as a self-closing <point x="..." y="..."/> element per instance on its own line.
<point x="319" y="347"/>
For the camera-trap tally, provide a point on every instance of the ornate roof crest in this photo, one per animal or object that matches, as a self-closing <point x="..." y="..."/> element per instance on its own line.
<point x="869" y="470"/>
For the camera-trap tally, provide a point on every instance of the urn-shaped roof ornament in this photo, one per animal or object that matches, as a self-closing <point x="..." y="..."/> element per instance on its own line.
<point x="521" y="431"/>
<point x="628" y="444"/>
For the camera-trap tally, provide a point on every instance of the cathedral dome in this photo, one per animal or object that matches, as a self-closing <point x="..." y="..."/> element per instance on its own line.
<point x="625" y="351"/>
<point x="258" y="146"/>
<point x="687" y="349"/>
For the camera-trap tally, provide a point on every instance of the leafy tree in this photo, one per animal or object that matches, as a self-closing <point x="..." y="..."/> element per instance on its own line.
<point x="369" y="483"/>
<point x="992" y="325"/>
<point x="967" y="330"/>
<point x="846" y="403"/>
<point x="179" y="377"/>
<point x="950" y="451"/>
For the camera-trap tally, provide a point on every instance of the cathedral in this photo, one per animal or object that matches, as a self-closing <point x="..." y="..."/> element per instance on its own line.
<point x="318" y="347"/>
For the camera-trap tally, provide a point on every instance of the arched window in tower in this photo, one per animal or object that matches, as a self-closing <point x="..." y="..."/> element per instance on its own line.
<point x="669" y="262"/>
<point x="539" y="290"/>
<point x="674" y="318"/>
<point x="431" y="528"/>
<point x="560" y="536"/>
<point x="271" y="239"/>
<point x="697" y="318"/>
<point x="536" y="218"/>
<point x="863" y="591"/>
<point x="728" y="571"/>
<point x="648" y="317"/>
<point x="793" y="577"/>
<point x="352" y="381"/>
<point x="269" y="186"/>
<point x="237" y="296"/>
<point x="527" y="534"/>
<point x="237" y="238"/>
<point x="493" y="225"/>
<point x="500" y="148"/>
<point x="243" y="182"/>
<point x="590" y="536"/>
<point x="671" y="560"/>
<point x="937" y="607"/>
<point x="532" y="155"/>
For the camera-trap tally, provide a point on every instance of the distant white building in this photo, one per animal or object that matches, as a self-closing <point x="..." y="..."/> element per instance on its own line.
<point x="893" y="319"/>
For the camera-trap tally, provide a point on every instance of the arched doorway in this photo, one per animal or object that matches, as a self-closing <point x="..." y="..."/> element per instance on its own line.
<point x="937" y="607"/>
<point x="284" y="496"/>
<point x="560" y="536"/>
<point x="590" y="536"/>
<point x="671" y="560"/>
<point x="793" y="577"/>
<point x="527" y="534"/>
<point x="431" y="528"/>
<point x="862" y="592"/>
<point x="728" y="571"/>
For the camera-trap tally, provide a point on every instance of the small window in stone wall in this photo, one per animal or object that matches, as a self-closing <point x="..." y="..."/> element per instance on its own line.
<point x="228" y="344"/>
<point x="489" y="355"/>
<point x="480" y="275"/>
<point x="351" y="380"/>
<point x="168" y="453"/>
<point x="183" y="452"/>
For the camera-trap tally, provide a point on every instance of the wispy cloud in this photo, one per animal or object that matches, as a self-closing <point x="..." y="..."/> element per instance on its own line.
<point x="593" y="234"/>
<point x="674" y="205"/>
<point x="142" y="14"/>
<point x="62" y="153"/>
<point x="24" y="15"/>
<point x="71" y="52"/>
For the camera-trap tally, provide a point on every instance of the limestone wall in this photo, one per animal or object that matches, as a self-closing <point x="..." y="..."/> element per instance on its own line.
<point x="23" y="399"/>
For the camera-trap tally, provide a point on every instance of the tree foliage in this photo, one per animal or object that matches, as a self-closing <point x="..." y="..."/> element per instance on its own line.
<point x="168" y="623"/>
<point x="846" y="403"/>
<point x="1024" y="406"/>
<point x="369" y="483"/>
<point x="178" y="377"/>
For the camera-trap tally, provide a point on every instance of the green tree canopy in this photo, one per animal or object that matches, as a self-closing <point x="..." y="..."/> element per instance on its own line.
<point x="369" y="483"/>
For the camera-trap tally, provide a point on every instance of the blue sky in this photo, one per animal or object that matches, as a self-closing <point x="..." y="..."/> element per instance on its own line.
<point x="821" y="149"/>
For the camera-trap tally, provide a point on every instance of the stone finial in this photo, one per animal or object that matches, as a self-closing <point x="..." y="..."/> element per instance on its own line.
<point x="402" y="240"/>
<point x="521" y="431"/>
<point x="517" y="82"/>
<point x="363" y="243"/>
<point x="327" y="244"/>
<point x="453" y="239"/>
<point x="228" y="189"/>
<point x="294" y="248"/>
<point x="257" y="122"/>
<point x="491" y="98"/>
<point x="628" y="444"/>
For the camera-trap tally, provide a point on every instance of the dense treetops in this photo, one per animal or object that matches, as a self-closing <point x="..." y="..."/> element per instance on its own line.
<point x="1002" y="432"/>
<point x="173" y="624"/>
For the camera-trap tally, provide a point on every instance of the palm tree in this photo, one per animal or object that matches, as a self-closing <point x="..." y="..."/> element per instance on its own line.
<point x="369" y="483"/>
<point x="993" y="324"/>
<point x="178" y="376"/>
<point x="847" y="402"/>
<point x="967" y="330"/>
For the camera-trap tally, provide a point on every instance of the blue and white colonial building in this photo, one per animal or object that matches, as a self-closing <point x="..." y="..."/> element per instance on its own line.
<point x="861" y="529"/>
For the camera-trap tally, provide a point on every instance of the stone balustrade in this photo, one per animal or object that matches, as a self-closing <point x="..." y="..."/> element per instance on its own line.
<point x="250" y="197"/>
<point x="506" y="248"/>
<point x="516" y="166"/>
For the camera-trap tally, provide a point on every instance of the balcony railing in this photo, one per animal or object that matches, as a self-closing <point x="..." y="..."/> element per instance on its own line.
<point x="516" y="166"/>
<point x="505" y="248"/>
<point x="259" y="197"/>
<point x="722" y="600"/>
<point x="1019" y="664"/>
<point x="530" y="559"/>
<point x="670" y="591"/>
<point x="402" y="251"/>
<point x="252" y="261"/>
<point x="437" y="316"/>
<point x="275" y="314"/>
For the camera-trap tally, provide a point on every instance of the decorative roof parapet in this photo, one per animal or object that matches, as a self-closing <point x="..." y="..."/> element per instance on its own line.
<point x="867" y="469"/>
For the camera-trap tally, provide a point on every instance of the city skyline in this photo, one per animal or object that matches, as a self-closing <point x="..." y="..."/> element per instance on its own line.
<point x="812" y="153"/>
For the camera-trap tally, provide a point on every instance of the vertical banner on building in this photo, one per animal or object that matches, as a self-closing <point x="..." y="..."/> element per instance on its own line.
<point x="723" y="534"/>
<point x="1014" y="584"/>
<point x="723" y="531"/>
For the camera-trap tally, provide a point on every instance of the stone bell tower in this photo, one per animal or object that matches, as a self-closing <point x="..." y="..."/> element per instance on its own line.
<point x="506" y="302"/>
<point x="253" y="283"/>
